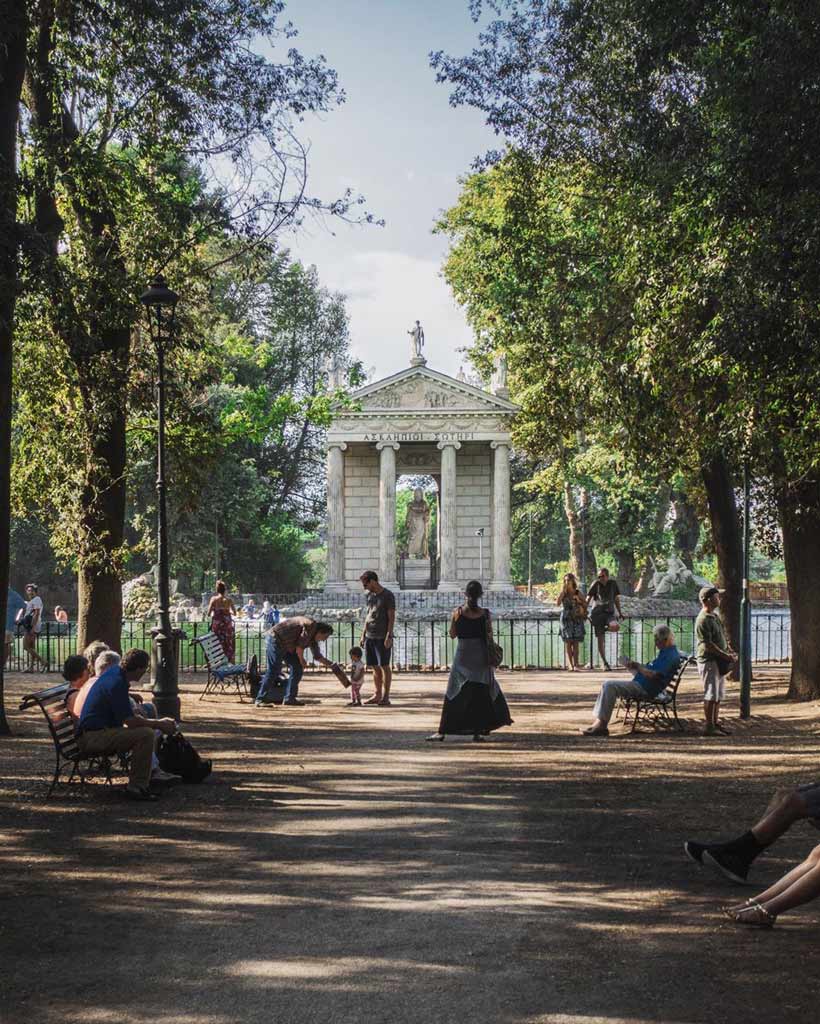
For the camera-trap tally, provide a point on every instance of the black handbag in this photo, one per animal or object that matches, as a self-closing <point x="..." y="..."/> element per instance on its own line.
<point x="725" y="665"/>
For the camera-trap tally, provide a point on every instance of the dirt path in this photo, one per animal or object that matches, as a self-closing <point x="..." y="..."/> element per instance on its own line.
<point x="339" y="870"/>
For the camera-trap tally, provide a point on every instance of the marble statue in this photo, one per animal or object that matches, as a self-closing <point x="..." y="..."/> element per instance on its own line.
<point x="334" y="371"/>
<point x="500" y="373"/>
<point x="417" y="343"/>
<point x="417" y="519"/>
<point x="676" y="575"/>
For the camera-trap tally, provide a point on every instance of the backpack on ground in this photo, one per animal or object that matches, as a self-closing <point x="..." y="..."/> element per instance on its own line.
<point x="178" y="756"/>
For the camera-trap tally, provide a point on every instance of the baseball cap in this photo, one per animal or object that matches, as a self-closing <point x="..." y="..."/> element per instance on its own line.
<point x="705" y="592"/>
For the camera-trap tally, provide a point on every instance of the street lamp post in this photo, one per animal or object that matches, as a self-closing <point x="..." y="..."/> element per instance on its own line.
<point x="161" y="304"/>
<point x="746" y="605"/>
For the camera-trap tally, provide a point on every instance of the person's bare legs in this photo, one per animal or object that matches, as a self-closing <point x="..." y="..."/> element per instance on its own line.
<point x="30" y="647"/>
<point x="785" y="809"/>
<point x="782" y="884"/>
<point x="568" y="645"/>
<point x="710" y="714"/>
<point x="798" y="886"/>
<point x="601" y="638"/>
<point x="387" y="676"/>
<point x="378" y="682"/>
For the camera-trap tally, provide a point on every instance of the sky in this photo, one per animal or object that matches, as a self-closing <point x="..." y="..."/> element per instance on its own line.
<point x="397" y="141"/>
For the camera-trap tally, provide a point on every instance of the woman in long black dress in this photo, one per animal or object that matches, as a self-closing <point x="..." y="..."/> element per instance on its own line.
<point x="474" y="704"/>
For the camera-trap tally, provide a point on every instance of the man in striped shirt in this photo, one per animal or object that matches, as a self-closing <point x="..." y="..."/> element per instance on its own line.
<point x="286" y="642"/>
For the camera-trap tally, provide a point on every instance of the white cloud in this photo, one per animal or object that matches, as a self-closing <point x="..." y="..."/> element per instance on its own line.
<point x="387" y="292"/>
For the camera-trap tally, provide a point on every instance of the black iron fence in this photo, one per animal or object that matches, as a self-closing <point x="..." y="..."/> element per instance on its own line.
<point x="425" y="644"/>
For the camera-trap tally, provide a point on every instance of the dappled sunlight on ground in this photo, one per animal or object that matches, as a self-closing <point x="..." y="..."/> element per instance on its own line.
<point x="337" y="869"/>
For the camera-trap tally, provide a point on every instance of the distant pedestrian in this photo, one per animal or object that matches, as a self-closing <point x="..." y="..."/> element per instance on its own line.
<point x="61" y="615"/>
<point x="474" y="704"/>
<point x="573" y="616"/>
<point x="31" y="619"/>
<point x="357" y="671"/>
<point x="221" y="612"/>
<point x="604" y="603"/>
<point x="715" y="659"/>
<point x="377" y="635"/>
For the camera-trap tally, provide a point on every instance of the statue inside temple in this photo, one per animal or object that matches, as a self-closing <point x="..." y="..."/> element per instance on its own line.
<point x="417" y="520"/>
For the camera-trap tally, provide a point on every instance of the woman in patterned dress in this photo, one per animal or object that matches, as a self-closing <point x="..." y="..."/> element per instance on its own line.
<point x="573" y="615"/>
<point x="221" y="610"/>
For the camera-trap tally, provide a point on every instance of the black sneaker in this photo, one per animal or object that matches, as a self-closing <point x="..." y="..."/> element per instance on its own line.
<point x="293" y="702"/>
<point x="694" y="851"/>
<point x="728" y="864"/>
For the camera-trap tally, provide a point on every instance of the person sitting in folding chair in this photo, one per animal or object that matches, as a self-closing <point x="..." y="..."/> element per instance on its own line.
<point x="647" y="682"/>
<point x="285" y="643"/>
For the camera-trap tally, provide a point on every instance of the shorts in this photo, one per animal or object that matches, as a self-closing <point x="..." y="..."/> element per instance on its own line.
<point x="714" y="684"/>
<point x="376" y="654"/>
<point x="811" y="795"/>
<point x="600" y="620"/>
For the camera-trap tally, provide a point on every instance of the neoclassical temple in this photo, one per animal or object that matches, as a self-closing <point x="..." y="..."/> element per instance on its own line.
<point x="419" y="422"/>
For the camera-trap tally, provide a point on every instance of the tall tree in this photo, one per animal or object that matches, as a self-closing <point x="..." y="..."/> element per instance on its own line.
<point x="153" y="78"/>
<point x="14" y="18"/>
<point x="712" y="110"/>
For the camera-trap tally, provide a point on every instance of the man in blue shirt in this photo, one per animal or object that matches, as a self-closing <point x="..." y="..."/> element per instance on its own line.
<point x="648" y="681"/>
<point x="108" y="724"/>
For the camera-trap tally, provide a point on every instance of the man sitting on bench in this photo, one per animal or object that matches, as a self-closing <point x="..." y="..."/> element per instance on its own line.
<point x="647" y="682"/>
<point x="108" y="724"/>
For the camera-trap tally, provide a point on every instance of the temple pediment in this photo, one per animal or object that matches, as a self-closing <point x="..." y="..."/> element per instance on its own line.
<point x="422" y="390"/>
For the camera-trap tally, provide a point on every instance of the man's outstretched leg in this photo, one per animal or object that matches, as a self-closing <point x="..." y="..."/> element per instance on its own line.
<point x="733" y="859"/>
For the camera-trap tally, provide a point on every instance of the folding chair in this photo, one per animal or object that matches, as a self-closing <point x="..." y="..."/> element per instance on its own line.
<point x="223" y="677"/>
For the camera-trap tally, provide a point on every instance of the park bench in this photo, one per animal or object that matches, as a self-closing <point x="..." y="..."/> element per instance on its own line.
<point x="661" y="710"/>
<point x="64" y="736"/>
<point x="223" y="677"/>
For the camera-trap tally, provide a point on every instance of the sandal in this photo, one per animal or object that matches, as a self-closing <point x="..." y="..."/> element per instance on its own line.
<point x="436" y="737"/>
<point x="766" y="921"/>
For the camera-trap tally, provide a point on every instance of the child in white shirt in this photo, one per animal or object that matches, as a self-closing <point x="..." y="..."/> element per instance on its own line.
<point x="357" y="670"/>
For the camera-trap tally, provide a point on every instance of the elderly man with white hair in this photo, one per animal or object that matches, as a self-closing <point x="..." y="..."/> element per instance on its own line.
<point x="647" y="682"/>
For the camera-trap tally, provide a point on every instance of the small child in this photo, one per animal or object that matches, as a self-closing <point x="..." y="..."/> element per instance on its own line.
<point x="357" y="670"/>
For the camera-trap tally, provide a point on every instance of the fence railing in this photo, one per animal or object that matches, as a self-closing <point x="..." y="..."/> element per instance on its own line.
<point x="425" y="644"/>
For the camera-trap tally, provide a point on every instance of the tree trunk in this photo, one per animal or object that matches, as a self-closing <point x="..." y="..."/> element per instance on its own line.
<point x="96" y="331"/>
<point x="726" y="535"/>
<point x="627" y="572"/>
<point x="800" y="522"/>
<point x="581" y="552"/>
<point x="12" y="67"/>
<point x="99" y="615"/>
<point x="685" y="528"/>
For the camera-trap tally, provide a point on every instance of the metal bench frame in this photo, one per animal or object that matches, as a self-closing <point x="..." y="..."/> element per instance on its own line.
<point x="657" y="711"/>
<point x="64" y="736"/>
<point x="223" y="677"/>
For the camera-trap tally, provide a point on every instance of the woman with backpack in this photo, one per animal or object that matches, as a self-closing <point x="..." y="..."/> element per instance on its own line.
<point x="474" y="704"/>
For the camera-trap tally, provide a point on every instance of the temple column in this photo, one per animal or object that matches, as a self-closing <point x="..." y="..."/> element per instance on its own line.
<point x="448" y="500"/>
<point x="336" y="516"/>
<point x="501" y="575"/>
<point x="387" y="514"/>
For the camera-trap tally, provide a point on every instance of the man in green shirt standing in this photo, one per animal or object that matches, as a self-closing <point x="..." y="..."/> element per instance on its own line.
<point x="714" y="658"/>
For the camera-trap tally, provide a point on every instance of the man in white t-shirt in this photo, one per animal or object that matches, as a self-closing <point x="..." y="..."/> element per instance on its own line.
<point x="31" y="619"/>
